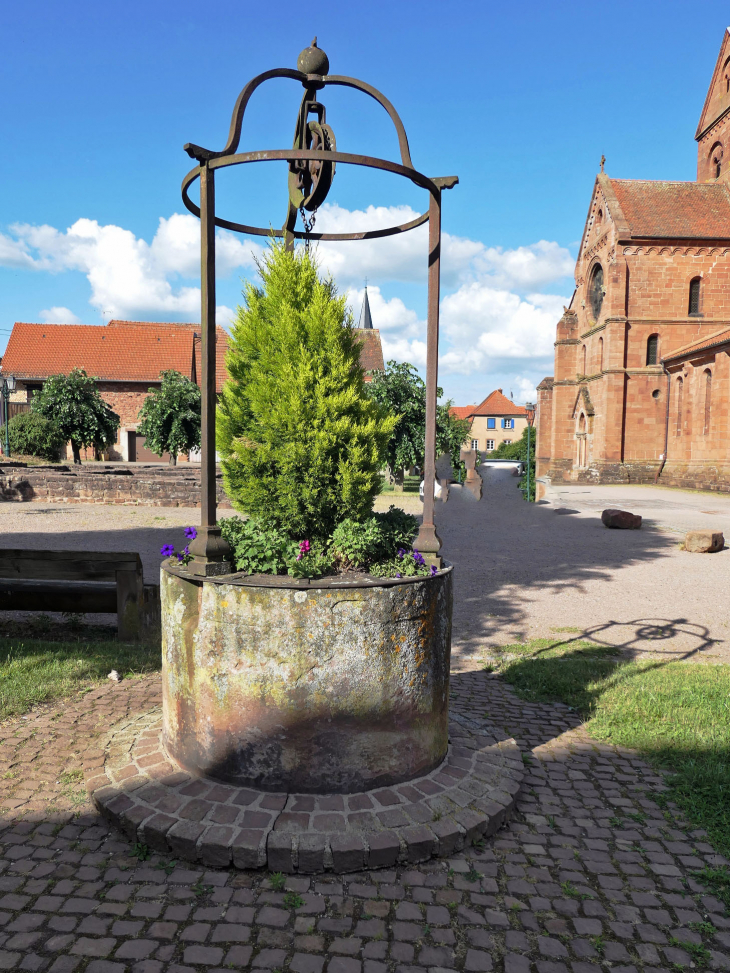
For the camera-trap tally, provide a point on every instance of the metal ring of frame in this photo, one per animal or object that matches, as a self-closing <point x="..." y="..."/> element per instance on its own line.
<point x="229" y="157"/>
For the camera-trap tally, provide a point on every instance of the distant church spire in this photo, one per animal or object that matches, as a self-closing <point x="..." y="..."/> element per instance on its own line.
<point x="365" y="319"/>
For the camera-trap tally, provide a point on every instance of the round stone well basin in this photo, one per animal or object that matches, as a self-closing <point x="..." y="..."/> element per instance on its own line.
<point x="332" y="686"/>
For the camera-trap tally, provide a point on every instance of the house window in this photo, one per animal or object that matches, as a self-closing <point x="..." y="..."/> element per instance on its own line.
<point x="508" y="423"/>
<point x="475" y="444"/>
<point x="596" y="291"/>
<point x="491" y="423"/>
<point x="694" y="296"/>
<point x="507" y="442"/>
<point x="652" y="349"/>
<point x="490" y="445"/>
<point x="708" y="398"/>
<point x="680" y="386"/>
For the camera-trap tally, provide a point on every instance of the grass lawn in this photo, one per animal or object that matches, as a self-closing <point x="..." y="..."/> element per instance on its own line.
<point x="39" y="670"/>
<point x="677" y="714"/>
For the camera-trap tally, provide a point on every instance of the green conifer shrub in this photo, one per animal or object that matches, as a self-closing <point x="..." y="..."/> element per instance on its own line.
<point x="301" y="443"/>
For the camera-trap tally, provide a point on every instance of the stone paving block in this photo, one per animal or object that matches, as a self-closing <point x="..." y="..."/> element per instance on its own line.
<point x="348" y="852"/>
<point x="383" y="849"/>
<point x="311" y="853"/>
<point x="280" y="851"/>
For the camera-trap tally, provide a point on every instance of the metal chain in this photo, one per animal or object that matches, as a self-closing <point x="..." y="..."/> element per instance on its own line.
<point x="308" y="224"/>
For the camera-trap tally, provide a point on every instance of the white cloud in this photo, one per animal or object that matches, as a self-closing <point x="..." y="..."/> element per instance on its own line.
<point x="496" y="320"/>
<point x="527" y="390"/>
<point x="129" y="278"/>
<point x="59" y="315"/>
<point x="525" y="268"/>
<point x="484" y="326"/>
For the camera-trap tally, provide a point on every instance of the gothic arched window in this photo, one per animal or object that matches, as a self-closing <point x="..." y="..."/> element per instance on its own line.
<point x="596" y="290"/>
<point x="600" y="354"/>
<point x="584" y="364"/>
<point x="652" y="349"/>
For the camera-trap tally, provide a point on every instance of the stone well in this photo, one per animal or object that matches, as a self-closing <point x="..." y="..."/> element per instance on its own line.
<point x="332" y="686"/>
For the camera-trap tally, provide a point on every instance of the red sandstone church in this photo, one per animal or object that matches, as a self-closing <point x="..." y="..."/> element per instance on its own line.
<point x="642" y="358"/>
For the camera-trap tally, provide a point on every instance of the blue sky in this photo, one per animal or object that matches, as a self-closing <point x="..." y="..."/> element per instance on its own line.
<point x="519" y="100"/>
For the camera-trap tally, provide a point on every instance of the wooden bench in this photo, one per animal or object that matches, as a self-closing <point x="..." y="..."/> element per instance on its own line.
<point x="79" y="581"/>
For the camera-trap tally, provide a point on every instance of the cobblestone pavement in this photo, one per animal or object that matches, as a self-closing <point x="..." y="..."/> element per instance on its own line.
<point x="590" y="874"/>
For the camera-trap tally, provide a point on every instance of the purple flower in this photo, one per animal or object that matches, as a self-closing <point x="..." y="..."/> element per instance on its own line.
<point x="185" y="553"/>
<point x="304" y="547"/>
<point x="167" y="550"/>
<point x="398" y="575"/>
<point x="401" y="552"/>
<point x="434" y="569"/>
<point x="191" y="533"/>
<point x="418" y="558"/>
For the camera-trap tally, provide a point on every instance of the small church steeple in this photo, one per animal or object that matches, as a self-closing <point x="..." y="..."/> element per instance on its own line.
<point x="366" y="320"/>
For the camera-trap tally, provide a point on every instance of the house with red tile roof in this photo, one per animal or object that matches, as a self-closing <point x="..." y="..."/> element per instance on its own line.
<point x="495" y="420"/>
<point x="127" y="358"/>
<point x="641" y="383"/>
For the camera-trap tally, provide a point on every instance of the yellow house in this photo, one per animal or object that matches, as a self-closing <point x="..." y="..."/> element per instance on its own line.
<point x="497" y="420"/>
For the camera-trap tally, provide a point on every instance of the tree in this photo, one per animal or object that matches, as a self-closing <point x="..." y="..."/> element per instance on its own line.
<point x="301" y="443"/>
<point x="73" y="403"/>
<point x="33" y="435"/>
<point x="402" y="391"/>
<point x="171" y="416"/>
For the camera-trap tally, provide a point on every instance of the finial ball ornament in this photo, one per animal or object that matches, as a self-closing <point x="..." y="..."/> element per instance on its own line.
<point x="313" y="61"/>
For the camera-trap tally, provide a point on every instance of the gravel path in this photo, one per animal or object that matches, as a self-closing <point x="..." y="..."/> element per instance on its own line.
<point x="521" y="571"/>
<point x="537" y="571"/>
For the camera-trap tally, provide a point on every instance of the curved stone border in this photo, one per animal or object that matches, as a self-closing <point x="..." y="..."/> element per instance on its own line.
<point x="139" y="787"/>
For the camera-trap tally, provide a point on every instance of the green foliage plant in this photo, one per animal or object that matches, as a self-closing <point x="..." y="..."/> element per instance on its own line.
<point x="73" y="403"/>
<point x="402" y="391"/>
<point x="359" y="544"/>
<point x="170" y="416"/>
<point x="301" y="443"/>
<point x="31" y="434"/>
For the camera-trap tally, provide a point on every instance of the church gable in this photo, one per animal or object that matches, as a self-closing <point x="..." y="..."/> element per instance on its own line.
<point x="717" y="101"/>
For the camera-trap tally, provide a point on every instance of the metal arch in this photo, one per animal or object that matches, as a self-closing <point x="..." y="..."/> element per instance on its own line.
<point x="287" y="155"/>
<point x="308" y="81"/>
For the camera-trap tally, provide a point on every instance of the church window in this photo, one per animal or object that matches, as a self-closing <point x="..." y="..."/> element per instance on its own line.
<point x="694" y="296"/>
<point x="600" y="354"/>
<point x="652" y="349"/>
<point x="596" y="290"/>
<point x="708" y="398"/>
<point x="599" y="217"/>
<point x="680" y="389"/>
<point x="583" y="362"/>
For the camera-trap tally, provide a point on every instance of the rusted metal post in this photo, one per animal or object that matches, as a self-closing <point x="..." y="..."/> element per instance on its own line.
<point x="210" y="550"/>
<point x="428" y="541"/>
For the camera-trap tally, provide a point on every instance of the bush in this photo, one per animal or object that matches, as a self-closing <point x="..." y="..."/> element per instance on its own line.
<point x="381" y="544"/>
<point x="301" y="443"/>
<point x="376" y="539"/>
<point x="33" y="435"/>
